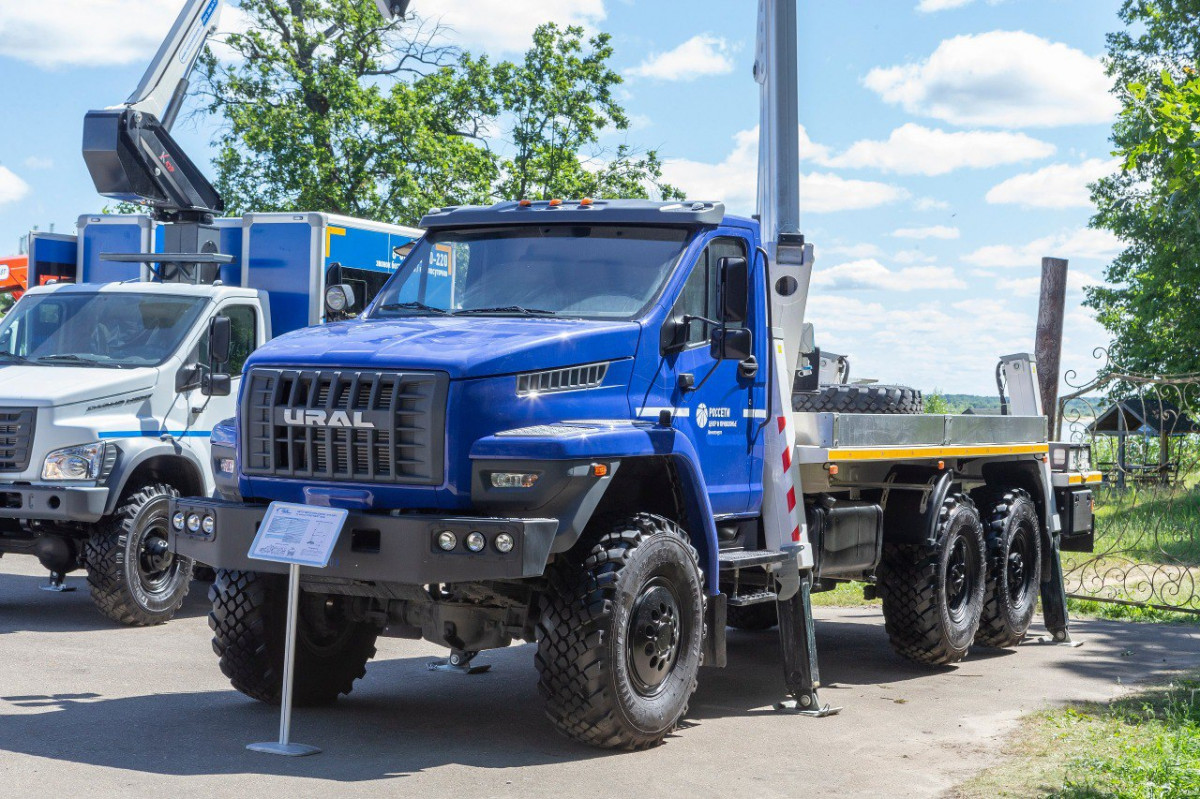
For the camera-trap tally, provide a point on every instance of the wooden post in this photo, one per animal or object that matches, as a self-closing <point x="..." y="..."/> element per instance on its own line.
<point x="1048" y="345"/>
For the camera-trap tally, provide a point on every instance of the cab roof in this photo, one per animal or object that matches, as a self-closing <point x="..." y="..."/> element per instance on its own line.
<point x="687" y="213"/>
<point x="145" y="287"/>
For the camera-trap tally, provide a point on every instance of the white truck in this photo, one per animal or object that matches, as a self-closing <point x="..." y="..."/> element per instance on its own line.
<point x="102" y="419"/>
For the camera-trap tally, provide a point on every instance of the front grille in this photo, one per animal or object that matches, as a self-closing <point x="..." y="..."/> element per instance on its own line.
<point x="345" y="425"/>
<point x="16" y="437"/>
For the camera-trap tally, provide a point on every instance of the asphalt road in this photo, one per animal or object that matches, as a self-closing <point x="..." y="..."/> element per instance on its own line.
<point x="89" y="709"/>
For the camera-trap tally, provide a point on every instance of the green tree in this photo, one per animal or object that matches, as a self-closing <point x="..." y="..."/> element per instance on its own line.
<point x="1153" y="202"/>
<point x="328" y="107"/>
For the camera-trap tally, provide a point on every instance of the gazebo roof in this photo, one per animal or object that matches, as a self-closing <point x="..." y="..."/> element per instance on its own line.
<point x="1149" y="416"/>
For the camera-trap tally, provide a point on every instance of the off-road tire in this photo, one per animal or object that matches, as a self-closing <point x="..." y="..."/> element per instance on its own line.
<point x="1014" y="545"/>
<point x="930" y="618"/>
<point x="249" y="620"/>
<point x="589" y="674"/>
<point x="859" y="399"/>
<point x="760" y="616"/>
<point x="126" y="582"/>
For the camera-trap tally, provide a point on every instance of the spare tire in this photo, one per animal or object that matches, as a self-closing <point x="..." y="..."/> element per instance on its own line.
<point x="872" y="398"/>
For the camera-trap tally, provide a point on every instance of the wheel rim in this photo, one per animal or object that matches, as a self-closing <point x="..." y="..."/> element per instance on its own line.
<point x="962" y="573"/>
<point x="1020" y="565"/>
<point x="653" y="636"/>
<point x="156" y="564"/>
<point x="324" y="627"/>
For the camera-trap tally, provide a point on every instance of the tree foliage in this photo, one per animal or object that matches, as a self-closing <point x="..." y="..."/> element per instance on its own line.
<point x="328" y="107"/>
<point x="1153" y="202"/>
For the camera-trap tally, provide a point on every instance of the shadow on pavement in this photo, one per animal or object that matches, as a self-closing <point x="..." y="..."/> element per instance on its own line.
<point x="24" y="607"/>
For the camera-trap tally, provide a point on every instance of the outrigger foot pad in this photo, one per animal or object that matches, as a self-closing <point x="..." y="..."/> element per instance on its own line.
<point x="1059" y="639"/>
<point x="57" y="584"/>
<point x="459" y="662"/>
<point x="807" y="705"/>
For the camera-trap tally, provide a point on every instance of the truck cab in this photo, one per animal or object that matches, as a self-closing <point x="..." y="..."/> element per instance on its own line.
<point x="106" y="404"/>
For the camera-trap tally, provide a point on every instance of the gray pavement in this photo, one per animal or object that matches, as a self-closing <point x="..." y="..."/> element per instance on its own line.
<point x="89" y="709"/>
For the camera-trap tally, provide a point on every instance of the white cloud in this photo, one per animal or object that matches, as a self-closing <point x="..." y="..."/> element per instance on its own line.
<point x="917" y="150"/>
<point x="35" y="162"/>
<point x="698" y="57"/>
<point x="12" y="188"/>
<point x="933" y="232"/>
<point x="734" y="180"/>
<point x="870" y="274"/>
<point x="853" y="251"/>
<point x="485" y="25"/>
<point x="60" y="33"/>
<point x="929" y="6"/>
<point x="1006" y="79"/>
<point x="1083" y="244"/>
<point x="931" y="204"/>
<point x="1055" y="186"/>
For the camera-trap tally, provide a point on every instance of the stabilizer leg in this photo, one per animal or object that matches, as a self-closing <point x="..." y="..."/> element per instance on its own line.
<point x="58" y="583"/>
<point x="1054" y="599"/>
<point x="797" y="637"/>
<point x="459" y="662"/>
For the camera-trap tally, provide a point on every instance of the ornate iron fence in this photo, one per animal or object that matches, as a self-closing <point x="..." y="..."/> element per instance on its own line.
<point x="1144" y="435"/>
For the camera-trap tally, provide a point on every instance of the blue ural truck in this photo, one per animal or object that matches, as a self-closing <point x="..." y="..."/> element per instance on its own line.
<point x="102" y="418"/>
<point x="554" y="425"/>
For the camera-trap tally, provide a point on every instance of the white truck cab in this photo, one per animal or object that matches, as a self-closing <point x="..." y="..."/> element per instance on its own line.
<point x="102" y="414"/>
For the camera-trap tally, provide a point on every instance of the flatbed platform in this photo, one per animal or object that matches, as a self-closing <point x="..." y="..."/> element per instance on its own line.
<point x="832" y="437"/>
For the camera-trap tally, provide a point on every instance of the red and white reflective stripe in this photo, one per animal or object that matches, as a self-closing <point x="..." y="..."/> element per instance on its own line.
<point x="787" y="470"/>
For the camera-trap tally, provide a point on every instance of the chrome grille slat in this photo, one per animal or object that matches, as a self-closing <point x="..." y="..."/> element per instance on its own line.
<point x="571" y="378"/>
<point x="405" y="444"/>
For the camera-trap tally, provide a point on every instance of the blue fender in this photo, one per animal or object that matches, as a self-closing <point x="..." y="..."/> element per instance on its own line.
<point x="618" y="440"/>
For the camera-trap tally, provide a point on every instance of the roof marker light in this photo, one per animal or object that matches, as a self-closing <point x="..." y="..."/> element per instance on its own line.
<point x="585" y="202"/>
<point x="525" y="203"/>
<point x="555" y="203"/>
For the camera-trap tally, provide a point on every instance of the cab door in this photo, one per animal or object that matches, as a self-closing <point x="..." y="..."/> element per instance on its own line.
<point x="203" y="413"/>
<point x="715" y="412"/>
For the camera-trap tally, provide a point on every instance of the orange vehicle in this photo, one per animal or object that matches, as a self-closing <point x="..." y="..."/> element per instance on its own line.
<point x="14" y="275"/>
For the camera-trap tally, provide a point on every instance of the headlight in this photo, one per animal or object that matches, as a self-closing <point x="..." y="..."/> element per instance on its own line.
<point x="74" y="463"/>
<point x="177" y="520"/>
<point x="339" y="298"/>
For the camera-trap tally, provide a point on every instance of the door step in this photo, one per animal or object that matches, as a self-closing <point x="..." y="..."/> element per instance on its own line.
<point x="757" y="598"/>
<point x="744" y="559"/>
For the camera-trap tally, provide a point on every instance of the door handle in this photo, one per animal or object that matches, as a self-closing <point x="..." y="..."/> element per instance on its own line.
<point x="748" y="369"/>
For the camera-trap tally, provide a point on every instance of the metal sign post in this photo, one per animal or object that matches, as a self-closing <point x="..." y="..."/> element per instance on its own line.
<point x="298" y="535"/>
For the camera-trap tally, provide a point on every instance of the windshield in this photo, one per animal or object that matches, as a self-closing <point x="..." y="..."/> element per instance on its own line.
<point x="599" y="271"/>
<point x="105" y="329"/>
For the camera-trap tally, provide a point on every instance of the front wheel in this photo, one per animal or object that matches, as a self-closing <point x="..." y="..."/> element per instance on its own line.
<point x="134" y="577"/>
<point x="620" y="635"/>
<point x="249" y="624"/>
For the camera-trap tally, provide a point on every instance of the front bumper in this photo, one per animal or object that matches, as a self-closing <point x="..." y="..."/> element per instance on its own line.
<point x="376" y="548"/>
<point x="52" y="503"/>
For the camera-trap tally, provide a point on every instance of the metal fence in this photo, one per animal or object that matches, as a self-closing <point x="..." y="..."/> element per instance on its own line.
<point x="1144" y="435"/>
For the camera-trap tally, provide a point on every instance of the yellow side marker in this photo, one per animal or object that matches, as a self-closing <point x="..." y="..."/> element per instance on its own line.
<point x="912" y="453"/>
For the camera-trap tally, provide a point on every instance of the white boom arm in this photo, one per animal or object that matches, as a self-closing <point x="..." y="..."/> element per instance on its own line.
<point x="163" y="87"/>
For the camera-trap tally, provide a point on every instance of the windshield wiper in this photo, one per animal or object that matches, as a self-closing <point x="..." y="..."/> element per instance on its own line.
<point x="411" y="306"/>
<point x="513" y="309"/>
<point x="76" y="359"/>
<point x="13" y="356"/>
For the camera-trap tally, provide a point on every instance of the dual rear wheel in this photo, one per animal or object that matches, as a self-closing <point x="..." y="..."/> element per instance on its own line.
<point x="978" y="584"/>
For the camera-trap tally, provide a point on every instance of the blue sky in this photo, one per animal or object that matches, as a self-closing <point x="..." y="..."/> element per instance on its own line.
<point x="947" y="145"/>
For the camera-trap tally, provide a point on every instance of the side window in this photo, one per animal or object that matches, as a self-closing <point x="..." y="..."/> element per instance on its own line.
<point x="243" y="320"/>
<point x="701" y="292"/>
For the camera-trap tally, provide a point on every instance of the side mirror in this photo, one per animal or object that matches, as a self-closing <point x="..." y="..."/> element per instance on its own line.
<point x="735" y="289"/>
<point x="339" y="298"/>
<point x="731" y="344"/>
<point x="220" y="337"/>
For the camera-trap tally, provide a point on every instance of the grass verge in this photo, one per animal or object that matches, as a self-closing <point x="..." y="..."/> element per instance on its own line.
<point x="1143" y="746"/>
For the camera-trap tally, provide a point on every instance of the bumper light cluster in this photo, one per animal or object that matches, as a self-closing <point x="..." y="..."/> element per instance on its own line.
<point x="475" y="541"/>
<point x="194" y="522"/>
<point x="514" y="479"/>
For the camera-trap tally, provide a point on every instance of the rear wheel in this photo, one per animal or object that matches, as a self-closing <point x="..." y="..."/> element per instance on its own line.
<point x="134" y="577"/>
<point x="933" y="596"/>
<point x="1014" y="569"/>
<point x="249" y="624"/>
<point x="620" y="636"/>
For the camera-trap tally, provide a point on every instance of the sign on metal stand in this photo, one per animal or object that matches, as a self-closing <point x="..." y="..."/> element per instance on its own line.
<point x="298" y="535"/>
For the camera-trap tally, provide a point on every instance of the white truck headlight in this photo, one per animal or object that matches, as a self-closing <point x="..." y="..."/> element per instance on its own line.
<point x="74" y="463"/>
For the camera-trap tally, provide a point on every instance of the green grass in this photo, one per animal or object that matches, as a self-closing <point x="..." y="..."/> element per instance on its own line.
<point x="845" y="595"/>
<point x="1145" y="746"/>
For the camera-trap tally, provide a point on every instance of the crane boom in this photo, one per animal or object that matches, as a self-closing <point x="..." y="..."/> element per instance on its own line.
<point x="165" y="83"/>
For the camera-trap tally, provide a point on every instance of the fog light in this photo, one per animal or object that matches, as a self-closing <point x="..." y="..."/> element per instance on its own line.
<point x="447" y="540"/>
<point x="208" y="525"/>
<point x="514" y="479"/>
<point x="193" y="522"/>
<point x="178" y="520"/>
<point x="505" y="542"/>
<point x="226" y="465"/>
<point x="476" y="542"/>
